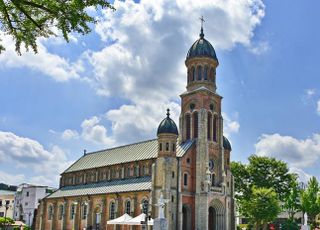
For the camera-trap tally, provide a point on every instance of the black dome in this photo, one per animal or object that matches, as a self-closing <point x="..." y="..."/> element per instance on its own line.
<point x="201" y="48"/>
<point x="226" y="144"/>
<point x="167" y="125"/>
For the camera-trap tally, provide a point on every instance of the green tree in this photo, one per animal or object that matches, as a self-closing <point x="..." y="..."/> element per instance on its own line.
<point x="310" y="200"/>
<point x="292" y="201"/>
<point x="262" y="208"/>
<point x="27" y="20"/>
<point x="262" y="172"/>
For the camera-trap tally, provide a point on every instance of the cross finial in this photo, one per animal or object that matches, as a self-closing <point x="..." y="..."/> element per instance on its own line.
<point x="201" y="32"/>
<point x="168" y="112"/>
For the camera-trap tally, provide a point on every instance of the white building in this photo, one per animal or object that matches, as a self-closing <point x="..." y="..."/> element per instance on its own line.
<point x="6" y="203"/>
<point x="27" y="199"/>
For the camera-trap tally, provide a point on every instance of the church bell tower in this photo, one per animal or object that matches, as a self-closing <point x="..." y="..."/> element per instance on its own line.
<point x="201" y="121"/>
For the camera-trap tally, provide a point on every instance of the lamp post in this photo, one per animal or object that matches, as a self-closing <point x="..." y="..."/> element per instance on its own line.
<point x="145" y="209"/>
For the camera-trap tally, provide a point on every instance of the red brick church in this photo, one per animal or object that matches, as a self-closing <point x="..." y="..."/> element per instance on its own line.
<point x="189" y="165"/>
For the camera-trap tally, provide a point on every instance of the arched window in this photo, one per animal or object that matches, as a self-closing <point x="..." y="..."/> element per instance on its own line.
<point x="188" y="126"/>
<point x="185" y="179"/>
<point x="173" y="147"/>
<point x="50" y="212"/>
<point x="143" y="170"/>
<point x="212" y="179"/>
<point x="145" y="206"/>
<point x="214" y="128"/>
<point x="112" y="210"/>
<point x="189" y="75"/>
<point x="212" y="73"/>
<point x="167" y="146"/>
<point x="128" y="207"/>
<point x="209" y="126"/>
<point x="84" y="211"/>
<point x="160" y="146"/>
<point x="195" y="125"/>
<point x="137" y="170"/>
<point x="205" y="72"/>
<point x="199" y="71"/>
<point x="193" y="72"/>
<point x="128" y="171"/>
<point x="72" y="211"/>
<point x="60" y="211"/>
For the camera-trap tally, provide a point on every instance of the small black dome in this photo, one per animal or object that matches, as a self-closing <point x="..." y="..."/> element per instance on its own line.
<point x="226" y="144"/>
<point x="167" y="125"/>
<point x="202" y="48"/>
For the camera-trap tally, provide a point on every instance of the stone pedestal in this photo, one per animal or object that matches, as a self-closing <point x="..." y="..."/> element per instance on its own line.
<point x="305" y="227"/>
<point x="160" y="224"/>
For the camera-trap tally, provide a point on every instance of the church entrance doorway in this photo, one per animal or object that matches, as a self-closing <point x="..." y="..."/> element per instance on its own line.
<point x="212" y="219"/>
<point x="186" y="218"/>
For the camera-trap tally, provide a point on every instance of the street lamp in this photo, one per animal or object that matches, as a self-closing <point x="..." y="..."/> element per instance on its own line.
<point x="145" y="209"/>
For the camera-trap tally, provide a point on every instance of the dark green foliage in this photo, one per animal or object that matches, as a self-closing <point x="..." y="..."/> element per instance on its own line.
<point x="289" y="225"/>
<point x="27" y="20"/>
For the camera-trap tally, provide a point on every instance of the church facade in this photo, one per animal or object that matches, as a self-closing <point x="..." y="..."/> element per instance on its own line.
<point x="189" y="166"/>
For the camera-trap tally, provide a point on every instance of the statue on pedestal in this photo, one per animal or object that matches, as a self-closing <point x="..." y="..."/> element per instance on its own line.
<point x="161" y="203"/>
<point x="161" y="223"/>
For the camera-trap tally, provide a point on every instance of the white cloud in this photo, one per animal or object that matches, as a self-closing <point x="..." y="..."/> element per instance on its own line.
<point x="8" y="178"/>
<point x="298" y="153"/>
<point x="303" y="176"/>
<point x="139" y="122"/>
<point x="310" y="92"/>
<point x="58" y="68"/>
<point x="25" y="153"/>
<point x="144" y="64"/>
<point x="259" y="48"/>
<point x="69" y="134"/>
<point x="94" y="132"/>
<point x="230" y="125"/>
<point x="150" y="40"/>
<point x="318" y="107"/>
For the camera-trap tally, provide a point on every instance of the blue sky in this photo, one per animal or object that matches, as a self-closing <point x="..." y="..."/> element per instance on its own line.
<point x="112" y="86"/>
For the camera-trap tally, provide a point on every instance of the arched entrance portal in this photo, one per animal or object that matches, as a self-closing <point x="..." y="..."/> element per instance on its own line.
<point x="216" y="216"/>
<point x="212" y="219"/>
<point x="186" y="218"/>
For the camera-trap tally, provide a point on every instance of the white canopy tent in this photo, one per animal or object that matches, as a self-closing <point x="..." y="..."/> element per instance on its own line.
<point x="120" y="220"/>
<point x="138" y="219"/>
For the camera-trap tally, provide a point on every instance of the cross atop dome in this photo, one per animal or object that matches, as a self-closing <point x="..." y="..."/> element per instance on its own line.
<point x="201" y="31"/>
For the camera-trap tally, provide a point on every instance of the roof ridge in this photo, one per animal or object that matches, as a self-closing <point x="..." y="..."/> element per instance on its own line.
<point x="122" y="146"/>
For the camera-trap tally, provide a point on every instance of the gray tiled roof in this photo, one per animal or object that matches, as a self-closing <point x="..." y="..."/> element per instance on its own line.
<point x="128" y="153"/>
<point x="124" y="185"/>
